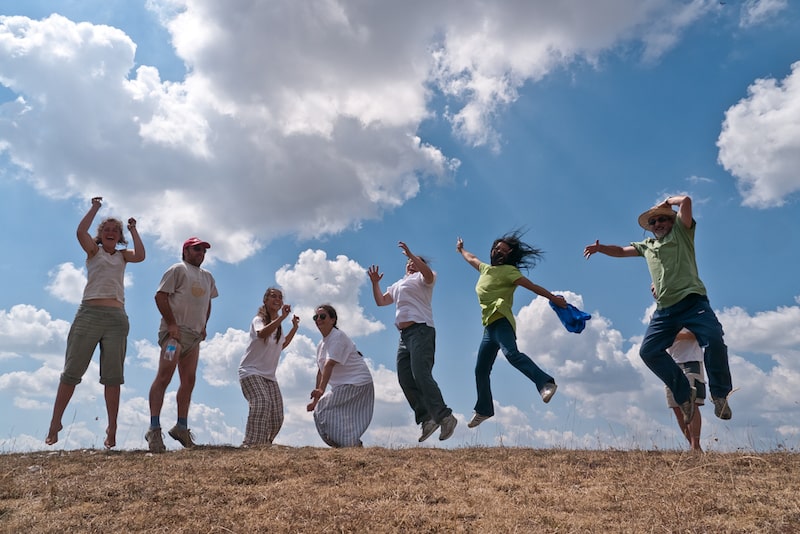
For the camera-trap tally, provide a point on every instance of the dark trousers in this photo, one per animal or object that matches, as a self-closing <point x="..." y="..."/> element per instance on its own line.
<point x="695" y="314"/>
<point x="415" y="356"/>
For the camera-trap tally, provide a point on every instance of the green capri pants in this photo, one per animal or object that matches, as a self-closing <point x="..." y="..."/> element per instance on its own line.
<point x="93" y="325"/>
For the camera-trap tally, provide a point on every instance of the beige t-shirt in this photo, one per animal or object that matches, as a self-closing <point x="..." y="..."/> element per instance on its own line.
<point x="190" y="292"/>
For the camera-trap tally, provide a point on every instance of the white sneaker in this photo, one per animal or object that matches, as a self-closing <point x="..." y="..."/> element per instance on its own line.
<point x="548" y="391"/>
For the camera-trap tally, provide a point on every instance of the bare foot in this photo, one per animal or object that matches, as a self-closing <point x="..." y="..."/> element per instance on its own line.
<point x="111" y="438"/>
<point x="52" y="434"/>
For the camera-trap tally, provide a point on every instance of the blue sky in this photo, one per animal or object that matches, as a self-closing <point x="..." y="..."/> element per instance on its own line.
<point x="303" y="140"/>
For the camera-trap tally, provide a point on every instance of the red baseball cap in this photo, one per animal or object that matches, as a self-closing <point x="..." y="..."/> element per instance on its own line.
<point x="192" y="241"/>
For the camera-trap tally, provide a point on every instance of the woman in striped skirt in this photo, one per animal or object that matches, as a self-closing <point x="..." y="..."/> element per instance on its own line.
<point x="343" y="413"/>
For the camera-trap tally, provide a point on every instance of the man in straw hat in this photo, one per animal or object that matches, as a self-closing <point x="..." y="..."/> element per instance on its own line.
<point x="681" y="302"/>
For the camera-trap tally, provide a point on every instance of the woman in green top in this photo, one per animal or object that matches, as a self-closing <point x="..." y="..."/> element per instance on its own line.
<point x="495" y="289"/>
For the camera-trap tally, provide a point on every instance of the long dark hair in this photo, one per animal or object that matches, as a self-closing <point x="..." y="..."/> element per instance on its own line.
<point x="264" y="313"/>
<point x="522" y="255"/>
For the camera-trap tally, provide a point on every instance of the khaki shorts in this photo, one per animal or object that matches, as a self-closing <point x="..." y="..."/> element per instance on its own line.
<point x="694" y="372"/>
<point x="97" y="325"/>
<point x="188" y="341"/>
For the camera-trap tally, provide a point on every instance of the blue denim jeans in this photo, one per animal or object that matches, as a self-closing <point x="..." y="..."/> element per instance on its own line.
<point x="695" y="314"/>
<point x="500" y="335"/>
<point x="415" y="354"/>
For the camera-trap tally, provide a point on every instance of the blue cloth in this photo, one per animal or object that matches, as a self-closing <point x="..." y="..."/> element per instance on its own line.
<point x="573" y="319"/>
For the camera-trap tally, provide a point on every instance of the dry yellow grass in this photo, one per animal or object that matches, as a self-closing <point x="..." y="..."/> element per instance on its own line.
<point x="283" y="489"/>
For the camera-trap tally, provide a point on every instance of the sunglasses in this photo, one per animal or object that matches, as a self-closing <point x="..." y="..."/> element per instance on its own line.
<point x="198" y="248"/>
<point x="661" y="219"/>
<point x="320" y="317"/>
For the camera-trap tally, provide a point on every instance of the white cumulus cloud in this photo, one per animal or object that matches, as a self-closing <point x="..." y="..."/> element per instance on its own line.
<point x="311" y="108"/>
<point x="760" y="141"/>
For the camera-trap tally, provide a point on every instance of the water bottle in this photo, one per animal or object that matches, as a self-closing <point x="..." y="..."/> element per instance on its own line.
<point x="170" y="349"/>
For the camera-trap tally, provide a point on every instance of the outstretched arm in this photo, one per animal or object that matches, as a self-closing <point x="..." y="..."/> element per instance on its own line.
<point x="84" y="238"/>
<point x="470" y="258"/>
<point x="375" y="276"/>
<point x="558" y="300"/>
<point x="615" y="251"/>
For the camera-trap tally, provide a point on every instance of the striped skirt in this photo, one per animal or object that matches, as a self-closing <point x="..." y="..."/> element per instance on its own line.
<point x="265" y="417"/>
<point x="343" y="414"/>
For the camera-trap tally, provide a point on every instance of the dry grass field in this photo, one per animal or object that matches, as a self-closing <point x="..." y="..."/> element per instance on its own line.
<point x="486" y="490"/>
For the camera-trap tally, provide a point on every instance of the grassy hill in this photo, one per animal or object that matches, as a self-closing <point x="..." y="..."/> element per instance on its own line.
<point x="486" y="490"/>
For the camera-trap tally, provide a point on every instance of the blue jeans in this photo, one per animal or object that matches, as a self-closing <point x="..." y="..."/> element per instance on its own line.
<point x="695" y="314"/>
<point x="500" y="335"/>
<point x="415" y="354"/>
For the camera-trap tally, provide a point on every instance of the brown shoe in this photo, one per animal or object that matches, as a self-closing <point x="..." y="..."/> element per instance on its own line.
<point x="721" y="408"/>
<point x="688" y="407"/>
<point x="428" y="428"/>
<point x="448" y="427"/>
<point x="477" y="419"/>
<point x="183" y="435"/>
<point x="155" y="441"/>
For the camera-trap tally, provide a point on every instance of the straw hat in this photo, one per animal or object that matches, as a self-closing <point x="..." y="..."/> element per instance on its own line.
<point x="655" y="212"/>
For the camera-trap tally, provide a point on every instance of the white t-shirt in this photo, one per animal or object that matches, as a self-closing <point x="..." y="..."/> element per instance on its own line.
<point x="686" y="350"/>
<point x="262" y="355"/>
<point x="351" y="367"/>
<point x="412" y="297"/>
<point x="190" y="292"/>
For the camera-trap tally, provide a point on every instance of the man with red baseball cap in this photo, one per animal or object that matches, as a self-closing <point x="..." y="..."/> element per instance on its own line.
<point x="184" y="300"/>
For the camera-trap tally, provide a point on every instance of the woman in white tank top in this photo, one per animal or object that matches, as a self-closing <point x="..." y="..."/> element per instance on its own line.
<point x="100" y="319"/>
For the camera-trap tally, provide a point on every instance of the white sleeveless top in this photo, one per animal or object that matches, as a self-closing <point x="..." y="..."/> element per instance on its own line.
<point x="105" y="276"/>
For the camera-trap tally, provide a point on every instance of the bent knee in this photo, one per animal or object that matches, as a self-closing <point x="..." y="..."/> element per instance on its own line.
<point x="649" y="355"/>
<point x="70" y="380"/>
